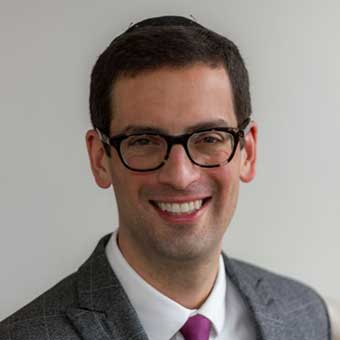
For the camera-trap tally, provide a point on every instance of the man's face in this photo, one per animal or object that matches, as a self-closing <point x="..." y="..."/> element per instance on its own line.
<point x="175" y="101"/>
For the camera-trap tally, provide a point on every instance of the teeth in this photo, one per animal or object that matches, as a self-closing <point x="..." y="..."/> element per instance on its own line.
<point x="197" y="204"/>
<point x="180" y="208"/>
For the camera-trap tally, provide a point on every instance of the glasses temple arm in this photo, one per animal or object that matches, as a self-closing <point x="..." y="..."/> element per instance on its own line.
<point x="105" y="139"/>
<point x="245" y="126"/>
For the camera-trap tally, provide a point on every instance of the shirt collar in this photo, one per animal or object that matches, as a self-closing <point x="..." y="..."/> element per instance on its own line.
<point x="214" y="308"/>
<point x="150" y="303"/>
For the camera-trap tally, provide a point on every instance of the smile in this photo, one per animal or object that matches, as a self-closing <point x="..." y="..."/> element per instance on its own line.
<point x="180" y="208"/>
<point x="181" y="211"/>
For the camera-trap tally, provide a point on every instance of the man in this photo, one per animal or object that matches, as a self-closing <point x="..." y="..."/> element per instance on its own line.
<point x="170" y="107"/>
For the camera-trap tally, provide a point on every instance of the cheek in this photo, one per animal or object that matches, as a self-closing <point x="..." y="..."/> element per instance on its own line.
<point x="129" y="186"/>
<point x="226" y="180"/>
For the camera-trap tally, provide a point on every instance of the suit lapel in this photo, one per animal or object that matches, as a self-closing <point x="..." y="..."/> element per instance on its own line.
<point x="266" y="310"/>
<point x="104" y="311"/>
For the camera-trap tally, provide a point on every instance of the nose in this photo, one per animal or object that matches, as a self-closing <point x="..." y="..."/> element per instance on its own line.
<point x="178" y="171"/>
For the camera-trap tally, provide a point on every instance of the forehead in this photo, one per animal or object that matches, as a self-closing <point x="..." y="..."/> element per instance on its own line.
<point x="173" y="99"/>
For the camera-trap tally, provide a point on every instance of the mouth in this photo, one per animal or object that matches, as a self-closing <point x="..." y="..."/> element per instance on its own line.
<point x="183" y="209"/>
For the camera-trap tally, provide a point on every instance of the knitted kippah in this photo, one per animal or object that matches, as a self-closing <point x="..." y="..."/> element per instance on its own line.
<point x="168" y="20"/>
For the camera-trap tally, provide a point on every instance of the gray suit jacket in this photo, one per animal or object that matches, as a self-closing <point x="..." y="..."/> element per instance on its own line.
<point x="91" y="304"/>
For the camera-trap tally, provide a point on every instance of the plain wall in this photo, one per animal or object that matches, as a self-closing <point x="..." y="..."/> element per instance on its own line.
<point x="52" y="212"/>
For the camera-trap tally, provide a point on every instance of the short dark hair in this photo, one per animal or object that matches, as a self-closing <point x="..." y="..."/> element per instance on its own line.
<point x="164" y="41"/>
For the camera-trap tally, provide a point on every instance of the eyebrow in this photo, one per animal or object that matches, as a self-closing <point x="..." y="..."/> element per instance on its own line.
<point x="133" y="129"/>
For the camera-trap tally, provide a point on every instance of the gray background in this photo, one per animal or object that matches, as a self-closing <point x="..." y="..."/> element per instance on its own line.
<point x="52" y="213"/>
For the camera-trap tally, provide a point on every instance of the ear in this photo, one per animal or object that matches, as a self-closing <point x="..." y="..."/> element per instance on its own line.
<point x="99" y="161"/>
<point x="248" y="154"/>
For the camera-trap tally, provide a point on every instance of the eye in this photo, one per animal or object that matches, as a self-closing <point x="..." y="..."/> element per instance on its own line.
<point x="139" y="141"/>
<point x="210" y="138"/>
<point x="143" y="140"/>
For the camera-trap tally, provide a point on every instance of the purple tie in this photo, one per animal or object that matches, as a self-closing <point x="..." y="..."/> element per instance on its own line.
<point x="196" y="328"/>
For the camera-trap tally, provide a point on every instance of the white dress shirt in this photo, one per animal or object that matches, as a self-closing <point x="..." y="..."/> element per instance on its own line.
<point x="162" y="318"/>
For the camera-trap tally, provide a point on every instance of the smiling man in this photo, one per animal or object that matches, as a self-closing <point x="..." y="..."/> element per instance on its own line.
<point x="173" y="136"/>
<point x="172" y="219"/>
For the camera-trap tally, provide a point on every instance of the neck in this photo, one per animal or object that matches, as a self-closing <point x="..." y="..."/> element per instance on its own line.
<point x="189" y="283"/>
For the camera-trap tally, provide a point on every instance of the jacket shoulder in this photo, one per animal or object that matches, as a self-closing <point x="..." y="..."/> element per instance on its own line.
<point x="49" y="308"/>
<point x="298" y="305"/>
<point x="291" y="292"/>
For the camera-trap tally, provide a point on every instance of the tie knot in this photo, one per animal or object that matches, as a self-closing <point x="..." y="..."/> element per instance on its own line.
<point x="196" y="328"/>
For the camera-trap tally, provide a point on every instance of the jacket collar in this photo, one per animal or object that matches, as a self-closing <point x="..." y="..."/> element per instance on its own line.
<point x="105" y="312"/>
<point x="259" y="297"/>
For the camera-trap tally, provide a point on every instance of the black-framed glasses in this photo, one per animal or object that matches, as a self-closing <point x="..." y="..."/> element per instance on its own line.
<point x="207" y="148"/>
